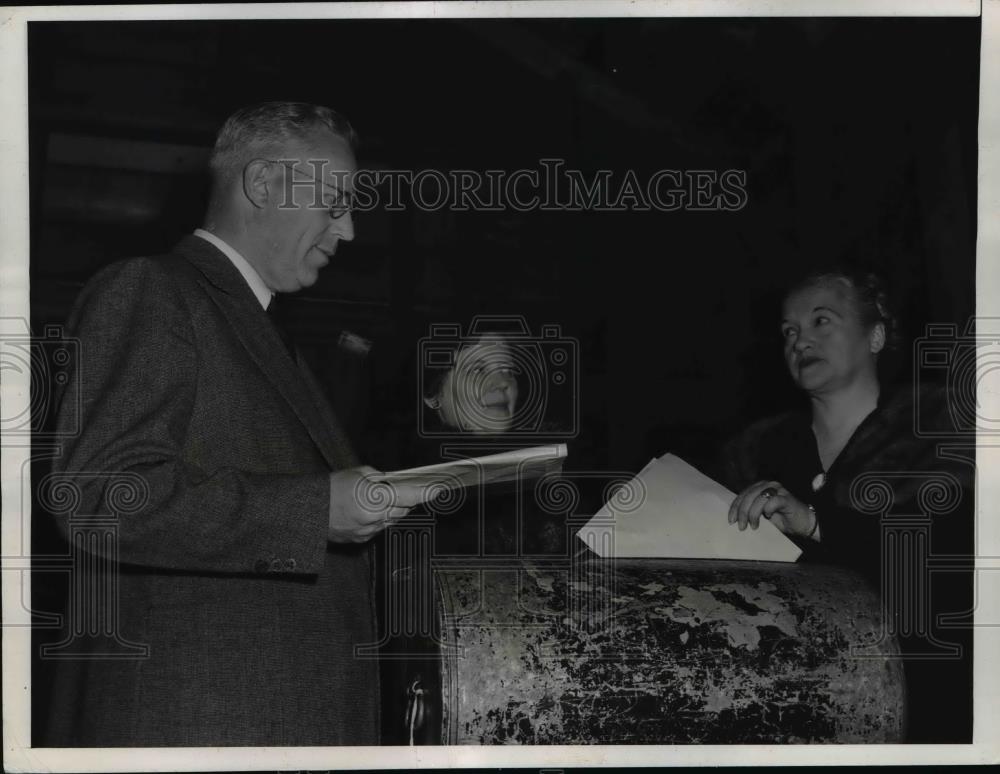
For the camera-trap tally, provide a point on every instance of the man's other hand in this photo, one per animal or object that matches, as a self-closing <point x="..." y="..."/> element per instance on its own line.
<point x="360" y="507"/>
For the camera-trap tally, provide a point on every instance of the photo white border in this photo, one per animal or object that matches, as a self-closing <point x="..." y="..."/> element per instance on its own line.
<point x="14" y="389"/>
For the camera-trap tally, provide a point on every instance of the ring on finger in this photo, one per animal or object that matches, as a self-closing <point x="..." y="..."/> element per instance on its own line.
<point x="768" y="493"/>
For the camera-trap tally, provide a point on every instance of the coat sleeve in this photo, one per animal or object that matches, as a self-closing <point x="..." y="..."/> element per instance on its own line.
<point x="129" y="403"/>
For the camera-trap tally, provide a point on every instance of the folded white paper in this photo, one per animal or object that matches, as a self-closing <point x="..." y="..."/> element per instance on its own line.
<point x="670" y="509"/>
<point x="522" y="465"/>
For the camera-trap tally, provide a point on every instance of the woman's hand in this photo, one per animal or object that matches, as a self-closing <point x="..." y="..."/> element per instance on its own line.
<point x="772" y="501"/>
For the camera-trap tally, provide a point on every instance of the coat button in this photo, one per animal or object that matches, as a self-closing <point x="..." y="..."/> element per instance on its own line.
<point x="275" y="565"/>
<point x="260" y="566"/>
<point x="290" y="565"/>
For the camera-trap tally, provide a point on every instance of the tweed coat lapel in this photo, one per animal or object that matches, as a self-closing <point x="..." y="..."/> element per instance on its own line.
<point x="226" y="286"/>
<point x="347" y="457"/>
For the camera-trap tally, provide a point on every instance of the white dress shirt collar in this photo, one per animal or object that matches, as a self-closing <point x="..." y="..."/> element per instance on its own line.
<point x="260" y="290"/>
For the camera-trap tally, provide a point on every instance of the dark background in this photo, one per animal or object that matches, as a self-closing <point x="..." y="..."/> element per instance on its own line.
<point x="858" y="138"/>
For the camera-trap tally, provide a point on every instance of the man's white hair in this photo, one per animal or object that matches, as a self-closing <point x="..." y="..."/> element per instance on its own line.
<point x="261" y="130"/>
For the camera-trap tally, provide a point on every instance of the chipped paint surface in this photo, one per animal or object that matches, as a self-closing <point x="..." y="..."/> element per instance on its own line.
<point x="708" y="606"/>
<point x="709" y="652"/>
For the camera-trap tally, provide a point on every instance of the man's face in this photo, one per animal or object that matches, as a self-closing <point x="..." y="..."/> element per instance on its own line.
<point x="301" y="234"/>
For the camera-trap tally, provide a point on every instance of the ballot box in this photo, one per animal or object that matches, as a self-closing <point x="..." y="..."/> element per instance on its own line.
<point x="637" y="651"/>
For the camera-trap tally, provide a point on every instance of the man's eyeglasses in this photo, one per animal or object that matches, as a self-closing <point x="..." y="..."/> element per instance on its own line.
<point x="339" y="208"/>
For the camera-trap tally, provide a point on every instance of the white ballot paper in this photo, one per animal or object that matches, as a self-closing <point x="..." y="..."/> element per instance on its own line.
<point x="670" y="509"/>
<point x="522" y="464"/>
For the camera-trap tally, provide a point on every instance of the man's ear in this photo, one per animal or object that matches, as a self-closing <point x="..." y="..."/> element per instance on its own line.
<point x="876" y="339"/>
<point x="257" y="182"/>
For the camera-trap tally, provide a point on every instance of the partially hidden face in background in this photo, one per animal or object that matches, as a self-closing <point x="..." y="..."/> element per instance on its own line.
<point x="479" y="393"/>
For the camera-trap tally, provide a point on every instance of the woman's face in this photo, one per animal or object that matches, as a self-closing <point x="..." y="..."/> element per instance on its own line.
<point x="479" y="394"/>
<point x="827" y="347"/>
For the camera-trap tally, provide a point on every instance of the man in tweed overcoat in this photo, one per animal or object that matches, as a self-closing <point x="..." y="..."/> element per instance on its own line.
<point x="246" y="570"/>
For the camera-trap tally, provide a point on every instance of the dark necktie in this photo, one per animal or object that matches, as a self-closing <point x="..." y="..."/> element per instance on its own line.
<point x="277" y="312"/>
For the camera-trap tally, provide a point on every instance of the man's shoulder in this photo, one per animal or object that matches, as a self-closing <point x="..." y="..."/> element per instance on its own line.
<point x="149" y="284"/>
<point x="164" y="275"/>
<point x="170" y="265"/>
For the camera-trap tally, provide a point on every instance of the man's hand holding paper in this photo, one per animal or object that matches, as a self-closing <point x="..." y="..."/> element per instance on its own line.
<point x="361" y="507"/>
<point x="416" y="485"/>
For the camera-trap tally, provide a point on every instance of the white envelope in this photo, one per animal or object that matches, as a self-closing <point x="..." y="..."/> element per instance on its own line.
<point x="670" y="509"/>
